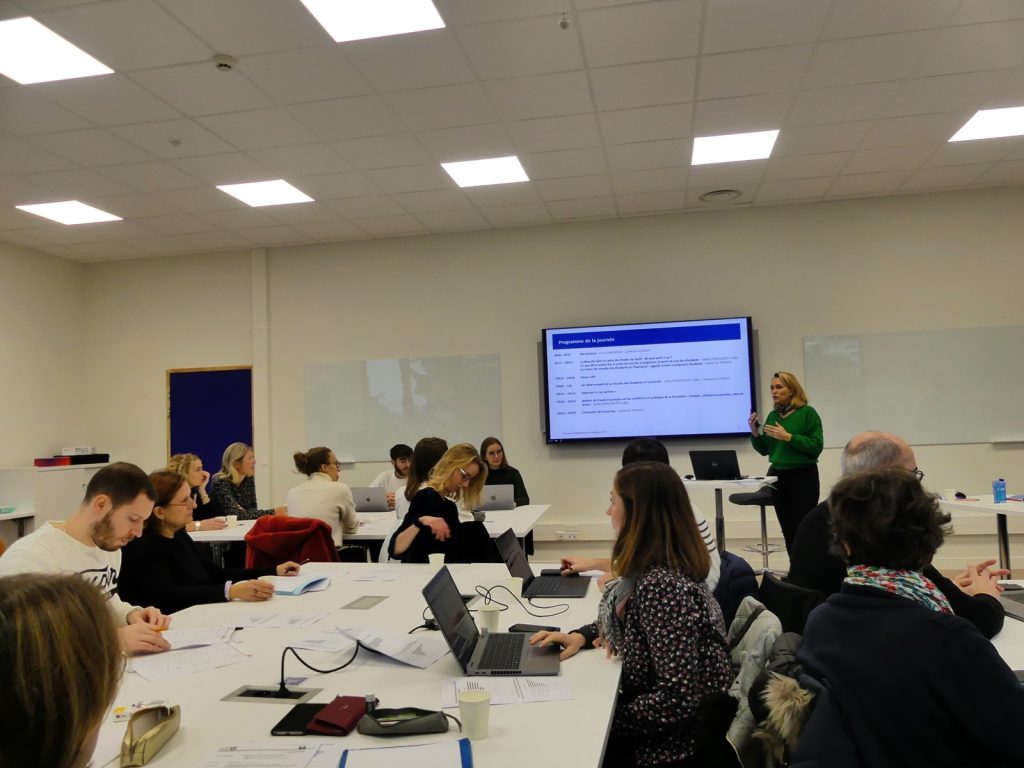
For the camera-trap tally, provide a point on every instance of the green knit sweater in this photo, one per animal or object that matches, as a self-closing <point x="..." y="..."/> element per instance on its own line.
<point x="804" y="425"/>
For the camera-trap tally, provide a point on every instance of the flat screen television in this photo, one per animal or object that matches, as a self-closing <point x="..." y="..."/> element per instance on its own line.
<point x="691" y="378"/>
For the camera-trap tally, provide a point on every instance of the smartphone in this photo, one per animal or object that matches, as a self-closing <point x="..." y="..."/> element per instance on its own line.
<point x="294" y="723"/>
<point x="532" y="628"/>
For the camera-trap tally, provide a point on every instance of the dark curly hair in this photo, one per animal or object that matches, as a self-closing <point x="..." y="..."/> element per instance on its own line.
<point x="885" y="518"/>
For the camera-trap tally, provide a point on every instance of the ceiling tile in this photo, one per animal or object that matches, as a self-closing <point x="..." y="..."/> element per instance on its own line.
<point x="337" y="185"/>
<point x="200" y="89"/>
<point x="547" y="134"/>
<point x="867" y="184"/>
<point x="461" y="12"/>
<point x="974" y="152"/>
<point x="669" y="29"/>
<point x="175" y="224"/>
<point x="517" y="48"/>
<point x="1004" y="173"/>
<point x="446" y="106"/>
<point x="365" y="207"/>
<point x="651" y="202"/>
<point x="791" y="190"/>
<point x="109" y="100"/>
<point x="451" y="221"/>
<point x="259" y="129"/>
<point x="732" y="25"/>
<point x="249" y="26"/>
<point x="888" y="159"/>
<point x="649" y="154"/>
<point x="17" y="157"/>
<point x="739" y="115"/>
<point x="721" y="175"/>
<point x="233" y="168"/>
<point x="820" y="139"/>
<point x="517" y="215"/>
<point x="806" y="166"/>
<point x="561" y="93"/>
<point x="79" y="184"/>
<point x="747" y="73"/>
<point x="331" y="231"/>
<point x="92" y="147"/>
<point x="864" y="101"/>
<point x="877" y="17"/>
<point x="302" y="213"/>
<point x="975" y="47"/>
<point x="382" y="151"/>
<point x="979" y="11"/>
<point x="588" y="208"/>
<point x="865" y="59"/>
<point x="308" y="74"/>
<point x="574" y="187"/>
<point x="132" y="206"/>
<point x="430" y="201"/>
<point x="473" y="142"/>
<point x="949" y="93"/>
<point x="349" y="118"/>
<point x="270" y="236"/>
<point x="24" y="111"/>
<point x="1010" y="93"/>
<point x="216" y="241"/>
<point x="949" y="177"/>
<point x="916" y="129"/>
<point x="413" y="178"/>
<point x="160" y="246"/>
<point x="205" y="198"/>
<point x="566" y="162"/>
<point x="405" y="62"/>
<point x="498" y="195"/>
<point x="653" y="180"/>
<point x="625" y="126"/>
<point x="173" y="138"/>
<point x="391" y="226"/>
<point x="300" y="161"/>
<point x="236" y="219"/>
<point x="644" y="85"/>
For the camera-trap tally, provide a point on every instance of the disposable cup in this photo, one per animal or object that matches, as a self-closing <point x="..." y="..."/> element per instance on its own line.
<point x="515" y="585"/>
<point x="474" y="709"/>
<point x="487" y="617"/>
<point x="436" y="560"/>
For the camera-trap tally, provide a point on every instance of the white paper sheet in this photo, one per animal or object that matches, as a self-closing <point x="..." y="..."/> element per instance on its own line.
<point x="187" y="638"/>
<point x="281" y="620"/>
<point x="378" y="574"/>
<point x="442" y="754"/>
<point x="263" y="754"/>
<point x="108" y="746"/>
<point x="173" y="664"/>
<point x="333" y="642"/>
<point x="416" y="650"/>
<point x="507" y="690"/>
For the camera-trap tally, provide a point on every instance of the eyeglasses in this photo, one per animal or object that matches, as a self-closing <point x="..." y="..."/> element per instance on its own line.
<point x="466" y="477"/>
<point x="335" y="464"/>
<point x="918" y="474"/>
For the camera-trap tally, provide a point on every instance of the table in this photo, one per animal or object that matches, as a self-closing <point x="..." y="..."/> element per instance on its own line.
<point x="749" y="484"/>
<point x="985" y="503"/>
<point x="19" y="519"/>
<point x="519" y="733"/>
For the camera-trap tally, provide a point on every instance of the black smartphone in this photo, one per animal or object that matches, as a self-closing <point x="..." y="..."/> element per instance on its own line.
<point x="531" y="628"/>
<point x="294" y="723"/>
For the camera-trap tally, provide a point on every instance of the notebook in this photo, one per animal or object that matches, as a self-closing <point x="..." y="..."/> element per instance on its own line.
<point x="545" y="585"/>
<point x="715" y="465"/>
<point x="494" y="653"/>
<point x="370" y="499"/>
<point x="496" y="497"/>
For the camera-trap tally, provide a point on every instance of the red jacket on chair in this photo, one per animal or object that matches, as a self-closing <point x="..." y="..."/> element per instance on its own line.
<point x="273" y="540"/>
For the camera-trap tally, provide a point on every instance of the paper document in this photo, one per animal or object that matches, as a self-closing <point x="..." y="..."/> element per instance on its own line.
<point x="330" y="641"/>
<point x="507" y="690"/>
<point x="281" y="620"/>
<point x="378" y="574"/>
<point x="262" y="754"/>
<point x="443" y="754"/>
<point x="186" y="638"/>
<point x="297" y="585"/>
<point x="416" y="650"/>
<point x="173" y="664"/>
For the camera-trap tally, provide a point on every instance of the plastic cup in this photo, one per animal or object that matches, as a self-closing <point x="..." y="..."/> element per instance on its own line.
<point x="436" y="560"/>
<point x="474" y="709"/>
<point x="231" y="520"/>
<point x="515" y="585"/>
<point x="487" y="617"/>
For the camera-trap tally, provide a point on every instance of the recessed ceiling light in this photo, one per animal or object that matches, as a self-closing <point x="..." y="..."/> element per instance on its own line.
<point x="721" y="196"/>
<point x="69" y="212"/>
<point x="733" y="147"/>
<point x="494" y="170"/>
<point x="31" y="53"/>
<point x="259" y="193"/>
<point x="347" y="20"/>
<point x="991" y="124"/>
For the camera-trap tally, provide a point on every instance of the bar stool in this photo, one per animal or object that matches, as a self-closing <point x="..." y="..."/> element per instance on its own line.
<point x="760" y="498"/>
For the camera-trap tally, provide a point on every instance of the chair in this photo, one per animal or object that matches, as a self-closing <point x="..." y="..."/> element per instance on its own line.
<point x="790" y="602"/>
<point x="762" y="498"/>
<point x="274" y="539"/>
<point x="382" y="556"/>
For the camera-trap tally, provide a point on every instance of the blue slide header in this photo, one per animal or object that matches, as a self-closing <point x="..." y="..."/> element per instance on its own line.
<point x="643" y="336"/>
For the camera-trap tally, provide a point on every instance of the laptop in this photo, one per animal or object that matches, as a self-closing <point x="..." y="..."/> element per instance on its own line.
<point x="493" y="653"/>
<point x="1013" y="603"/>
<point x="496" y="497"/>
<point x="370" y="499"/>
<point x="715" y="465"/>
<point x="545" y="585"/>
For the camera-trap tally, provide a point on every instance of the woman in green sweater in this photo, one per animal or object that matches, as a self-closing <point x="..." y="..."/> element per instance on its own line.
<point x="792" y="440"/>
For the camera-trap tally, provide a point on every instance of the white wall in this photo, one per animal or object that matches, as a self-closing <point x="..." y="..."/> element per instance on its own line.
<point x="41" y="357"/>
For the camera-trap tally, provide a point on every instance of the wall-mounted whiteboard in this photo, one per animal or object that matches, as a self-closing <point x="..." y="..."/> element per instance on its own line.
<point x="963" y="385"/>
<point x="360" y="408"/>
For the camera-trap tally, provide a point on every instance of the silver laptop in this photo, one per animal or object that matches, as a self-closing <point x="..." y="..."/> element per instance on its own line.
<point x="715" y="465"/>
<point x="496" y="497"/>
<point x="545" y="585"/>
<point x="370" y="499"/>
<point x="1012" y="601"/>
<point x="493" y="653"/>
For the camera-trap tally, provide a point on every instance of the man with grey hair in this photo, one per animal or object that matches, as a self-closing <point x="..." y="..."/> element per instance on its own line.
<point x="814" y="565"/>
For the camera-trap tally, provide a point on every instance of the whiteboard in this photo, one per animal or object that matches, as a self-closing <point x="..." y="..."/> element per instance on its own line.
<point x="360" y="408"/>
<point x="961" y="385"/>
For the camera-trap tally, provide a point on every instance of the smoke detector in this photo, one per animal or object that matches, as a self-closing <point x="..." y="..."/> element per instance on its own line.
<point x="721" y="196"/>
<point x="224" y="63"/>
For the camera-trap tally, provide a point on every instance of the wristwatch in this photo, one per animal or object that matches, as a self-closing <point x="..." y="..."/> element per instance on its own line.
<point x="199" y="524"/>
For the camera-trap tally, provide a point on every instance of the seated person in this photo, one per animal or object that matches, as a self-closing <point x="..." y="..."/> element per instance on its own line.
<point x="659" y="617"/>
<point x="394" y="480"/>
<point x="432" y="523"/>
<point x="208" y="515"/>
<point x="60" y="670"/>
<point x="425" y="455"/>
<point x="499" y="472"/>
<point x="234" y="487"/>
<point x="164" y="567"/>
<point x="322" y="496"/>
<point x="815" y="565"/>
<point x="905" y="675"/>
<point x="649" y="449"/>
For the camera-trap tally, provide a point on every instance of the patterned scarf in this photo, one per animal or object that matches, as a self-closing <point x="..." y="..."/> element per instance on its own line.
<point x="784" y="408"/>
<point x="612" y="610"/>
<point x="905" y="583"/>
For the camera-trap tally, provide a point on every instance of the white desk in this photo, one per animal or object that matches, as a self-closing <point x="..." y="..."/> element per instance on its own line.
<point x="19" y="519"/>
<point x="749" y="485"/>
<point x="984" y="503"/>
<point x="570" y="733"/>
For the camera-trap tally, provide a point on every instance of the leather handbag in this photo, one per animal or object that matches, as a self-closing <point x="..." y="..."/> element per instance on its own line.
<point x="147" y="732"/>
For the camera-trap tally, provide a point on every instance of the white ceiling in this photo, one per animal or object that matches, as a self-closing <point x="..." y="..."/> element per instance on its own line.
<point x="602" y="115"/>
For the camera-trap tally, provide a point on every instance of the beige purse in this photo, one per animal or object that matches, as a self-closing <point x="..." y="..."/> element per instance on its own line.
<point x="148" y="730"/>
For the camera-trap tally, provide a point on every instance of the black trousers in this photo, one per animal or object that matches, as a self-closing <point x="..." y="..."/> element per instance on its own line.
<point x="796" y="493"/>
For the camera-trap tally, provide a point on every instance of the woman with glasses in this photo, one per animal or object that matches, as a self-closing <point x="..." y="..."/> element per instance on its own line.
<point x="792" y="440"/>
<point x="500" y="472"/>
<point x="323" y="496"/>
<point x="163" y="567"/>
<point x="432" y="523"/>
<point x="60" y="669"/>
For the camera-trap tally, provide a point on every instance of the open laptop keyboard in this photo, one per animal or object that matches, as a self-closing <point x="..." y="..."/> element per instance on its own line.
<point x="545" y="585"/>
<point x="1016" y="596"/>
<point x="502" y="651"/>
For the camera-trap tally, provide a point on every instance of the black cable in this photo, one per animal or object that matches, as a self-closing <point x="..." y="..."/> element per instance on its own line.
<point x="283" y="690"/>
<point x="485" y="593"/>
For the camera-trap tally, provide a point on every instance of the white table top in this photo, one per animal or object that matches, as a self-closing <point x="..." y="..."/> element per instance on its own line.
<point x="519" y="733"/>
<point x="749" y="483"/>
<point x="17" y="515"/>
<point x="982" y="503"/>
<point x="374" y="526"/>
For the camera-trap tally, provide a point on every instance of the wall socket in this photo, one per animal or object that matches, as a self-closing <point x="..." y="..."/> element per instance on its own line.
<point x="567" y="535"/>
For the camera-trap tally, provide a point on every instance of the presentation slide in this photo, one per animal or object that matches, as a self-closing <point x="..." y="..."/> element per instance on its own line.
<point x="691" y="378"/>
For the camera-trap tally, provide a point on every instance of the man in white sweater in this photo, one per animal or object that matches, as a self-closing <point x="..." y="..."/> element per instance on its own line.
<point x="393" y="480"/>
<point x="117" y="502"/>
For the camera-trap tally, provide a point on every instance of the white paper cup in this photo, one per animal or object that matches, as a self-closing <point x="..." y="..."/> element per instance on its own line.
<point x="474" y="709"/>
<point x="436" y="560"/>
<point x="230" y="520"/>
<point x="487" y="617"/>
<point x="515" y="585"/>
<point x="949" y="494"/>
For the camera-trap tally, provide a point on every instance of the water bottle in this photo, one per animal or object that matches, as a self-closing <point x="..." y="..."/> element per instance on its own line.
<point x="999" y="491"/>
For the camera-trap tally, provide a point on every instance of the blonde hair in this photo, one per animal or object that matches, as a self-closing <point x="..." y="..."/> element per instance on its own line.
<point x="182" y="463"/>
<point x="455" y="458"/>
<point x="60" y="668"/>
<point x="232" y="454"/>
<point x="791" y="381"/>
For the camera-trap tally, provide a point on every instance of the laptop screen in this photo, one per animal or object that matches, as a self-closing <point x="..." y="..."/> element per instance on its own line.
<point x="452" y="616"/>
<point x="513" y="556"/>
